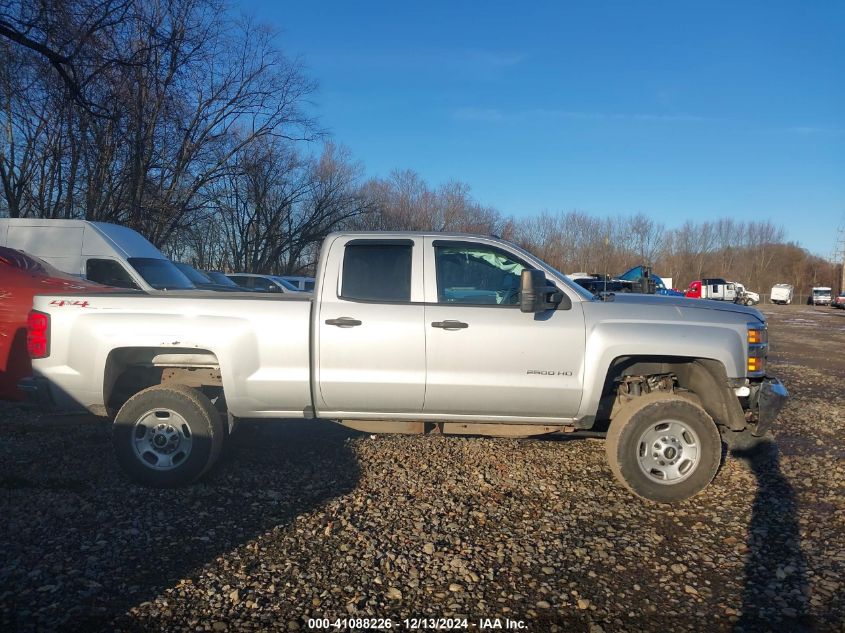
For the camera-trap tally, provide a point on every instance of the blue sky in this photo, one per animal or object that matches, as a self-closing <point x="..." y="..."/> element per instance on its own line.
<point x="680" y="110"/>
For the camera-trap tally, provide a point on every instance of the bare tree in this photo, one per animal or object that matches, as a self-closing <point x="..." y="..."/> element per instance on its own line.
<point x="647" y="237"/>
<point x="75" y="38"/>
<point x="187" y="86"/>
<point x="275" y="207"/>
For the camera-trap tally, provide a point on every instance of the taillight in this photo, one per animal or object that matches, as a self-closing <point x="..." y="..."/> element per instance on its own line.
<point x="38" y="334"/>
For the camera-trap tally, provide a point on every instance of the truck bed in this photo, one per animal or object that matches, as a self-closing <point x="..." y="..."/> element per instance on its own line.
<point x="269" y="334"/>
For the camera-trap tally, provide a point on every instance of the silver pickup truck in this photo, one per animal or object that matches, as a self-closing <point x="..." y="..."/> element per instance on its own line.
<point x="415" y="333"/>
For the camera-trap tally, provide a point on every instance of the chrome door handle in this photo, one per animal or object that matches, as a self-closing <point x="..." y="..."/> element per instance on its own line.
<point x="450" y="325"/>
<point x="343" y="322"/>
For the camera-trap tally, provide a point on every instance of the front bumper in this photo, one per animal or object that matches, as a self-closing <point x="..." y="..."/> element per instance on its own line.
<point x="766" y="401"/>
<point x="37" y="392"/>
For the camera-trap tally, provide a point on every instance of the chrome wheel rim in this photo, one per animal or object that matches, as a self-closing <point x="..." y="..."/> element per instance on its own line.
<point x="668" y="452"/>
<point x="162" y="439"/>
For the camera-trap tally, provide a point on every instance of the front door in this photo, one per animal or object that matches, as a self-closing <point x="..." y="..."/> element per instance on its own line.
<point x="484" y="357"/>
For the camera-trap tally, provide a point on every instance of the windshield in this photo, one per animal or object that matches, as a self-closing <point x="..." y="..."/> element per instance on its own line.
<point x="192" y="273"/>
<point x="284" y="283"/>
<point x="161" y="274"/>
<point x="821" y="291"/>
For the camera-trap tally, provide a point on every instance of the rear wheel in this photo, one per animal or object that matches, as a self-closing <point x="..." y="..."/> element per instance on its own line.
<point x="664" y="448"/>
<point x="167" y="436"/>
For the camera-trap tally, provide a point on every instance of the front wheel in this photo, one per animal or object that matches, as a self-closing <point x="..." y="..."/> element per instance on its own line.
<point x="663" y="448"/>
<point x="167" y="436"/>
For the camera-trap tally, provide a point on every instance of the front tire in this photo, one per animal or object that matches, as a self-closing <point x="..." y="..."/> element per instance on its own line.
<point x="663" y="448"/>
<point x="167" y="436"/>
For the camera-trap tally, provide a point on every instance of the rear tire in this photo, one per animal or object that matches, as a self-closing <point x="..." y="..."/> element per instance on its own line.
<point x="663" y="448"/>
<point x="167" y="436"/>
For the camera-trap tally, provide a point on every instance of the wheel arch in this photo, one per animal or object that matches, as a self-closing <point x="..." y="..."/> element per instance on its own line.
<point x="704" y="377"/>
<point x="129" y="370"/>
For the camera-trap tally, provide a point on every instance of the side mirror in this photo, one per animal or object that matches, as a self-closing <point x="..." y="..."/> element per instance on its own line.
<point x="274" y="288"/>
<point x="536" y="294"/>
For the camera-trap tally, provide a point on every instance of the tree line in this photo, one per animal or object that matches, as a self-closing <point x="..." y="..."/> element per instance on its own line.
<point x="189" y="125"/>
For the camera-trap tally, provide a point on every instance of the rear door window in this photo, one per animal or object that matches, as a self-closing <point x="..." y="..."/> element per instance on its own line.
<point x="377" y="270"/>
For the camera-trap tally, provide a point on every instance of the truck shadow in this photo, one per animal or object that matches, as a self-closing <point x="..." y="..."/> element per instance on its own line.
<point x="776" y="586"/>
<point x="80" y="545"/>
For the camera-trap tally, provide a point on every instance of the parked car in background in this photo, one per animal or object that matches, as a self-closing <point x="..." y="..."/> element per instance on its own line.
<point x="263" y="283"/>
<point x="820" y="296"/>
<point x="220" y="278"/>
<point x="103" y="253"/>
<point x="598" y="283"/>
<point x="781" y="294"/>
<point x="839" y="301"/>
<point x="303" y="284"/>
<point x="21" y="277"/>
<point x="203" y="282"/>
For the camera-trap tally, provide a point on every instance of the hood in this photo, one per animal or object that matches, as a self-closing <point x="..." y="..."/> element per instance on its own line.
<point x="683" y="302"/>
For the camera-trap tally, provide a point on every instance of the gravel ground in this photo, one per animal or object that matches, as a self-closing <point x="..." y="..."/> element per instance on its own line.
<point x="308" y="520"/>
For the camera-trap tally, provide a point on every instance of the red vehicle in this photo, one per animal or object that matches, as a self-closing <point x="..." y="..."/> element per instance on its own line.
<point x="21" y="277"/>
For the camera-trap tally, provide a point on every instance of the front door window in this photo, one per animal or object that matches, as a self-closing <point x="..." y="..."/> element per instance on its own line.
<point x="476" y="275"/>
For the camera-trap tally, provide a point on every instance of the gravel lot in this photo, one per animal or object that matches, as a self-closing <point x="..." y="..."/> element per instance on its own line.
<point x="305" y="520"/>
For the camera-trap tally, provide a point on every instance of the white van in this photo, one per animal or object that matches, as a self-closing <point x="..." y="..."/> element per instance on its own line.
<point x="105" y="253"/>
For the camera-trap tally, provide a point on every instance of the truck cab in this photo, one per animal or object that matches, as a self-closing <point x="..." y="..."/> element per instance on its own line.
<point x="712" y="288"/>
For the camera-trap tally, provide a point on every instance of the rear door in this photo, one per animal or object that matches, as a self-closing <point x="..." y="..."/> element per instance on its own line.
<point x="484" y="356"/>
<point x="370" y="345"/>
